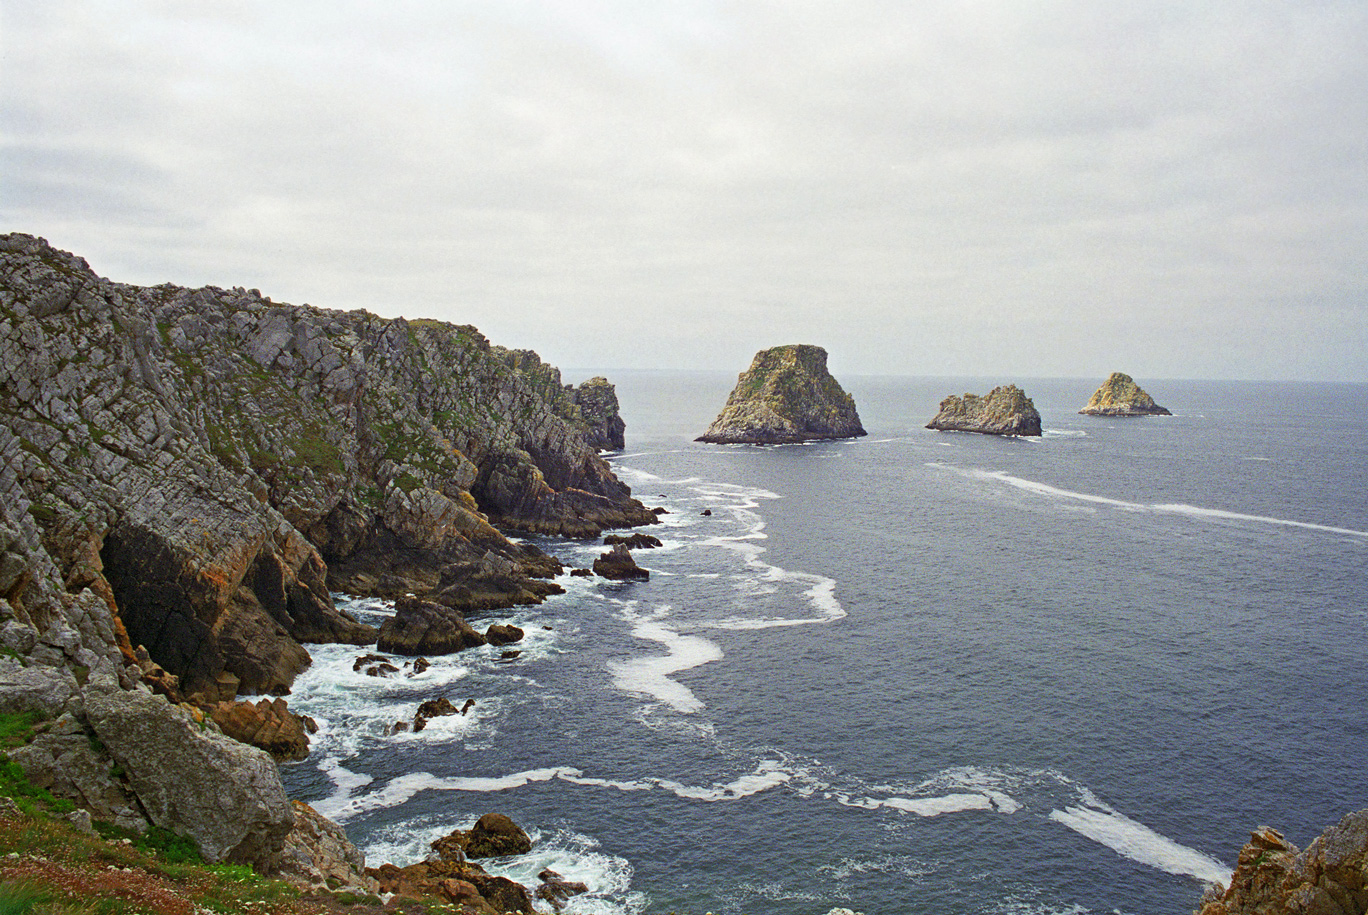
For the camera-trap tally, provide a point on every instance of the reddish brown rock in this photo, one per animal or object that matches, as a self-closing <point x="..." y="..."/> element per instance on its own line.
<point x="268" y="725"/>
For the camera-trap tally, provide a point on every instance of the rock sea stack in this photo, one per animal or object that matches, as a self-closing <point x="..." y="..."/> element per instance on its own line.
<point x="787" y="395"/>
<point x="1005" y="410"/>
<point x="1121" y="396"/>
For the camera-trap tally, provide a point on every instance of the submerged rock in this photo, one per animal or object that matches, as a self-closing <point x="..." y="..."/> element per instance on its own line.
<point x="787" y="395"/>
<point x="1005" y="410"/>
<point x="1121" y="396"/>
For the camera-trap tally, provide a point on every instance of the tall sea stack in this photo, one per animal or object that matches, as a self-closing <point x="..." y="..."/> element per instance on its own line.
<point x="1121" y="396"/>
<point x="787" y="395"/>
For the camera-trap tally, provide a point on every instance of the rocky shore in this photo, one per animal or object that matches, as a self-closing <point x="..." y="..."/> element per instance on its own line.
<point x="1005" y="410"/>
<point x="185" y="477"/>
<point x="787" y="395"/>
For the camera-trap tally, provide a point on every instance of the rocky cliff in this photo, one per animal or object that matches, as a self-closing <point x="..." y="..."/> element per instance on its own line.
<point x="1272" y="877"/>
<point x="1121" y="396"/>
<point x="787" y="395"/>
<point x="592" y="407"/>
<point x="208" y="464"/>
<point x="1005" y="410"/>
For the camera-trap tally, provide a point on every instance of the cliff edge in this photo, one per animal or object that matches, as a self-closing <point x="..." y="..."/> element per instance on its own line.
<point x="1005" y="410"/>
<point x="211" y="464"/>
<point x="1121" y="396"/>
<point x="787" y="395"/>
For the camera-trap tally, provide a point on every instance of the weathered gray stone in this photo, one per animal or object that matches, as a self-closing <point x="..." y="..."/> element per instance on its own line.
<point x="318" y="855"/>
<point x="193" y="780"/>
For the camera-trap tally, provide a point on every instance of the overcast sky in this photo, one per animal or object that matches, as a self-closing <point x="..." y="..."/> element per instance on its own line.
<point x="1013" y="189"/>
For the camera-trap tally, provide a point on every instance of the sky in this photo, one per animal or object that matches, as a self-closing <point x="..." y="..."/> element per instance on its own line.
<point x="1002" y="189"/>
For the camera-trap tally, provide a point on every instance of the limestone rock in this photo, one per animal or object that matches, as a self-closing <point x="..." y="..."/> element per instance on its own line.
<point x="196" y="782"/>
<point x="618" y="565"/>
<point x="421" y="627"/>
<point x="201" y="467"/>
<point x="1005" y="410"/>
<point x="598" y="405"/>
<point x="1273" y="878"/>
<point x="787" y="395"/>
<point x="1121" y="396"/>
<point x="318" y="855"/>
<point x="64" y="760"/>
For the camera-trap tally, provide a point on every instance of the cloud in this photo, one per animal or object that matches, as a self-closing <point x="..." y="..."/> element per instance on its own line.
<point x="1035" y="189"/>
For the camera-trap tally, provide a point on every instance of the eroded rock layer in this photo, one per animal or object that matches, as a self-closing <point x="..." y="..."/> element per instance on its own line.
<point x="1005" y="410"/>
<point x="787" y="395"/>
<point x="208" y="464"/>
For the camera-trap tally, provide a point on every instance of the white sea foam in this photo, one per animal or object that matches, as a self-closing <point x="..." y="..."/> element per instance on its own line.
<point x="650" y="676"/>
<point x="1189" y="511"/>
<point x="1140" y="843"/>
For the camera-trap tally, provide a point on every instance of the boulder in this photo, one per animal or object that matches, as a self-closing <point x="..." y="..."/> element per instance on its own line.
<point x="556" y="890"/>
<point x="787" y="395"/>
<point x="1005" y="410"/>
<point x="618" y="565"/>
<point x="318" y="855"/>
<point x="63" y="759"/>
<point x="502" y="634"/>
<point x="420" y="627"/>
<point x="492" y="836"/>
<point x="194" y="781"/>
<point x="267" y="725"/>
<point x="1121" y="396"/>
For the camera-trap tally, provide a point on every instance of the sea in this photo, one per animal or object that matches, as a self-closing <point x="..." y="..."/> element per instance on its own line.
<point x="914" y="672"/>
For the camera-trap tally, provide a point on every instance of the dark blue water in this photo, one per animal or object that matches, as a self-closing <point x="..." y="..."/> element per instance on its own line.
<point x="915" y="672"/>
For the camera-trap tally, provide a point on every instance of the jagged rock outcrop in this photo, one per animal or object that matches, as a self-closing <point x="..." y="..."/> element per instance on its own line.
<point x="637" y="541"/>
<point x="1273" y="878"/>
<point x="1005" y="410"/>
<point x="598" y="405"/>
<point x="421" y="627"/>
<point x="206" y="465"/>
<point x="787" y="395"/>
<point x="318" y="855"/>
<point x="618" y="565"/>
<point x="592" y="407"/>
<point x="493" y="835"/>
<point x="1121" y="396"/>
<point x="267" y="725"/>
<point x="449" y="876"/>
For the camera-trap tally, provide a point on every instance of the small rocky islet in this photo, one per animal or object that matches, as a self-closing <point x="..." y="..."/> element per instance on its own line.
<point x="785" y="397"/>
<point x="1005" y="410"/>
<point x="1119" y="395"/>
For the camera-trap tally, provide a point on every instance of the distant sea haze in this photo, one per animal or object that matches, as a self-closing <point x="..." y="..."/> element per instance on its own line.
<point x="916" y="672"/>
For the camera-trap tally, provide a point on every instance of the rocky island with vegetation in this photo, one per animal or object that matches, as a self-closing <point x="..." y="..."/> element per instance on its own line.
<point x="787" y="395"/>
<point x="1005" y="410"/>
<point x="1121" y="396"/>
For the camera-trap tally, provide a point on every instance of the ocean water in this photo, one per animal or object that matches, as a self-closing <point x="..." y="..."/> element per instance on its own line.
<point x="916" y="672"/>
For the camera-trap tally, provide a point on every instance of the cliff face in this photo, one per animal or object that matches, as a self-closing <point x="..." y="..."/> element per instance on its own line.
<point x="1005" y="410"/>
<point x="1121" y="396"/>
<point x="787" y="395"/>
<point x="208" y="464"/>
